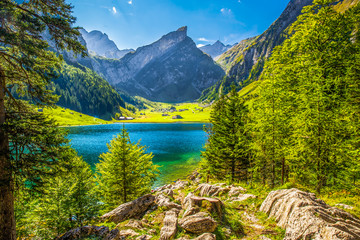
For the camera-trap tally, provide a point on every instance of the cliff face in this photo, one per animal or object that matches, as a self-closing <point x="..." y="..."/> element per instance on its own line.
<point x="171" y="69"/>
<point x="216" y="49"/>
<point x="99" y="44"/>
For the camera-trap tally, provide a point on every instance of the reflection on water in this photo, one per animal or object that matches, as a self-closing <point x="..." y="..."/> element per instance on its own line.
<point x="176" y="147"/>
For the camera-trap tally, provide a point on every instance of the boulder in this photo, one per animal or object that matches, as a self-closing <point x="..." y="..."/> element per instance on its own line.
<point x="162" y="201"/>
<point x="205" y="189"/>
<point x="180" y="184"/>
<point x="306" y="217"/>
<point x="131" y="209"/>
<point x="144" y="237"/>
<point x="128" y="233"/>
<point x="235" y="191"/>
<point x="86" y="231"/>
<point x="168" y="192"/>
<point x="206" y="236"/>
<point x="199" y="223"/>
<point x="135" y="224"/>
<point x="242" y="197"/>
<point x="169" y="228"/>
<point x="193" y="204"/>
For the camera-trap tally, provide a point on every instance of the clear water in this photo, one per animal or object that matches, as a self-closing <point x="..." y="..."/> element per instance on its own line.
<point x="176" y="147"/>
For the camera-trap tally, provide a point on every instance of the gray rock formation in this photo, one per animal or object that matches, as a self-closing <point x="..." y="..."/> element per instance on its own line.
<point x="192" y="204"/>
<point x="168" y="231"/>
<point x="205" y="189"/>
<point x="99" y="44"/>
<point x="199" y="223"/>
<point x="171" y="69"/>
<point x="216" y="49"/>
<point x="87" y="231"/>
<point x="243" y="197"/>
<point x="206" y="236"/>
<point x="306" y="217"/>
<point x="162" y="201"/>
<point x="131" y="209"/>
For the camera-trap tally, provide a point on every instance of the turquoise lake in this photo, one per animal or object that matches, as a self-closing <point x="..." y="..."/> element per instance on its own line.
<point x="176" y="147"/>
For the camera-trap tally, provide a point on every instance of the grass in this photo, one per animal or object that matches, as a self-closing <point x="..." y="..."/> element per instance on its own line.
<point x="67" y="117"/>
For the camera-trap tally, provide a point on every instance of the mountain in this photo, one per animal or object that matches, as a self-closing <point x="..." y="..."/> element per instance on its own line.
<point x="171" y="69"/>
<point x="244" y="62"/>
<point x="99" y="44"/>
<point x="216" y="49"/>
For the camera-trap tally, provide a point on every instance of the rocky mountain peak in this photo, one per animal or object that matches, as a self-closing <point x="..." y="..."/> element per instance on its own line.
<point x="182" y="29"/>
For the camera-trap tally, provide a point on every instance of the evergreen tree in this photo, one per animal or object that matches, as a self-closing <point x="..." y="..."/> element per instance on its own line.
<point x="27" y="65"/>
<point x="67" y="200"/>
<point x="125" y="172"/>
<point x="226" y="151"/>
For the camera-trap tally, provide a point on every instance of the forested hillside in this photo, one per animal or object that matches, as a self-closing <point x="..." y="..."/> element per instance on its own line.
<point x="82" y="90"/>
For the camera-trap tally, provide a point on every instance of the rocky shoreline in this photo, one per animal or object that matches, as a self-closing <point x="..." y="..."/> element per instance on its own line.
<point x="189" y="210"/>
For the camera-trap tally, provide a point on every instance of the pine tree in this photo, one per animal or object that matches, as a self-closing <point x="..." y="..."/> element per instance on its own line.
<point x="226" y="154"/>
<point x="125" y="172"/>
<point x="27" y="65"/>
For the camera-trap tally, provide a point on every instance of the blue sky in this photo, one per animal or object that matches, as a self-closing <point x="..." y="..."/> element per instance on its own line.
<point x="135" y="23"/>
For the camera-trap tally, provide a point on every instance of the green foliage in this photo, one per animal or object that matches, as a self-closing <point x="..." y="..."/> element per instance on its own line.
<point x="84" y="91"/>
<point x="125" y="172"/>
<point x="67" y="200"/>
<point x="226" y="155"/>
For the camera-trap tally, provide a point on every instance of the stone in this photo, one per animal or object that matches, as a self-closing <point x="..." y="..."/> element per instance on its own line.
<point x="235" y="191"/>
<point x="193" y="204"/>
<point x="86" y="231"/>
<point x="210" y="190"/>
<point x="344" y="206"/>
<point x="128" y="233"/>
<point x="131" y="209"/>
<point x="242" y="197"/>
<point x="136" y="224"/>
<point x="162" y="201"/>
<point x="144" y="237"/>
<point x="180" y="184"/>
<point x="206" y="236"/>
<point x="305" y="217"/>
<point x="168" y="231"/>
<point x="168" y="192"/>
<point x="199" y="223"/>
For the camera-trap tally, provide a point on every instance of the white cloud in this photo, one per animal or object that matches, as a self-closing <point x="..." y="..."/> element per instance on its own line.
<point x="114" y="10"/>
<point x="200" y="45"/>
<point x="130" y="2"/>
<point x="203" y="40"/>
<point x="226" y="11"/>
<point x="239" y="1"/>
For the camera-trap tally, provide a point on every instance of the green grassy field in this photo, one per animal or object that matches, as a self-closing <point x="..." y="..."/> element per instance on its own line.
<point x="66" y="117"/>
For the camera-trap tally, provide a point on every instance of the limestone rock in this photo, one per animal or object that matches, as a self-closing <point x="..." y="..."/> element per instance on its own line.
<point x="198" y="223"/>
<point x="206" y="236"/>
<point x="344" y="206"/>
<point x="144" y="237"/>
<point x="128" y="233"/>
<point x="135" y="224"/>
<point x="235" y="191"/>
<point x="86" y="231"/>
<point x="169" y="228"/>
<point x="192" y="204"/>
<point x="162" y="201"/>
<point x="131" y="209"/>
<point x="180" y="184"/>
<point x="168" y="192"/>
<point x="306" y="217"/>
<point x="243" y="197"/>
<point x="210" y="190"/>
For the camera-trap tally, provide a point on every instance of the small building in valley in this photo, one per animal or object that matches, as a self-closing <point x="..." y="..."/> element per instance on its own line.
<point x="177" y="117"/>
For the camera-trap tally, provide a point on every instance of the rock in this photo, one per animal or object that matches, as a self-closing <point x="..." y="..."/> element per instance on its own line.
<point x="168" y="186"/>
<point x="128" y="233"/>
<point x="135" y="224"/>
<point x="198" y="223"/>
<point x="306" y="217"/>
<point x="210" y="190"/>
<point x="235" y="191"/>
<point x="86" y="231"/>
<point x="243" y="197"/>
<point x="206" y="236"/>
<point x="193" y="204"/>
<point x="114" y="235"/>
<point x="131" y="209"/>
<point x="162" y="201"/>
<point x="144" y="237"/>
<point x="180" y="184"/>
<point x="169" y="228"/>
<point x="344" y="206"/>
<point x="168" y="192"/>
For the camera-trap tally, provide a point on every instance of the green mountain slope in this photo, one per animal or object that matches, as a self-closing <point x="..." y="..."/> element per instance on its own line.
<point x="82" y="90"/>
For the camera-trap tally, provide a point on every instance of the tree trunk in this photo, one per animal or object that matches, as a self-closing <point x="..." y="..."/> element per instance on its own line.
<point x="283" y="171"/>
<point x="7" y="216"/>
